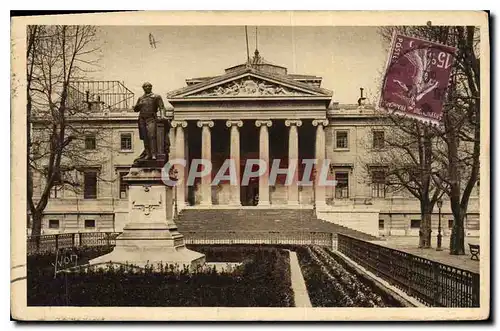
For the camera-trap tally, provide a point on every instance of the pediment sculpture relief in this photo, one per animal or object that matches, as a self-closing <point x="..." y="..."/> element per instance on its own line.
<point x="249" y="86"/>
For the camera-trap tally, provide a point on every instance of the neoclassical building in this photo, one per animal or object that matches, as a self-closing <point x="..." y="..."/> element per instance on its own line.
<point x="255" y="110"/>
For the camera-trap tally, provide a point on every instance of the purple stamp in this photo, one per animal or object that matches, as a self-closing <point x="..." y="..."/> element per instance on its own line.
<point x="416" y="78"/>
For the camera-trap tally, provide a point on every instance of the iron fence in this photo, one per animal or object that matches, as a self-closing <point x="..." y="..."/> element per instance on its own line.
<point x="432" y="283"/>
<point x="98" y="238"/>
<point x="54" y="242"/>
<point x="110" y="94"/>
<point x="67" y="240"/>
<point x="260" y="237"/>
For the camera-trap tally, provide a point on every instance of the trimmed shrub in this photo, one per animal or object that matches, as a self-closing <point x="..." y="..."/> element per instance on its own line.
<point x="263" y="280"/>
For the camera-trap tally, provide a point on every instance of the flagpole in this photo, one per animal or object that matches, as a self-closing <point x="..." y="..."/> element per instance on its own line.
<point x="256" y="40"/>
<point x="248" y="52"/>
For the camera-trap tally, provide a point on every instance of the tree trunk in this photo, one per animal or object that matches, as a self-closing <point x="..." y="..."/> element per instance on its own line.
<point x="457" y="240"/>
<point x="425" y="228"/>
<point x="36" y="224"/>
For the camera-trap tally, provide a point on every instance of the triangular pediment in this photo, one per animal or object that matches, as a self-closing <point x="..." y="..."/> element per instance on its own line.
<point x="249" y="84"/>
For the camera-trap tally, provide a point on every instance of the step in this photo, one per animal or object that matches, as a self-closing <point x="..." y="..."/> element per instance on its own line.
<point x="233" y="220"/>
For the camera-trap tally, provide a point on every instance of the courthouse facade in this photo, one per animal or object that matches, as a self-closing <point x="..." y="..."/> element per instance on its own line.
<point x="255" y="110"/>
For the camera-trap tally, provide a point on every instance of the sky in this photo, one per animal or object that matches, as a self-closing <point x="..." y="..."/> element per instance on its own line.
<point x="346" y="57"/>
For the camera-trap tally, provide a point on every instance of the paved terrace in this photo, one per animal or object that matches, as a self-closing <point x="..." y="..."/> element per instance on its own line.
<point x="410" y="245"/>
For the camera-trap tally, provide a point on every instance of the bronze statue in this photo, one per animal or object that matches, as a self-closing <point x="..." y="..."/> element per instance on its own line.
<point x="147" y="106"/>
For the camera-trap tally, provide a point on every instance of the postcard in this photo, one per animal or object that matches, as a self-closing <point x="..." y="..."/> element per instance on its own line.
<point x="243" y="166"/>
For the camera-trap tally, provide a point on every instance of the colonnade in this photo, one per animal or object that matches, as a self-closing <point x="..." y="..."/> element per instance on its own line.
<point x="263" y="125"/>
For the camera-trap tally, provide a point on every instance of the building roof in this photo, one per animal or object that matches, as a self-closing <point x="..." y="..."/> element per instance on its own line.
<point x="258" y="63"/>
<point x="297" y="77"/>
<point x="248" y="69"/>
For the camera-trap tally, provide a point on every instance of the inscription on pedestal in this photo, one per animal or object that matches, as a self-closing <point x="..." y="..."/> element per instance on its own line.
<point x="148" y="202"/>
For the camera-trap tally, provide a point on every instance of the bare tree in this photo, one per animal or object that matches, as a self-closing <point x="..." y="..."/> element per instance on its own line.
<point x="406" y="163"/>
<point x="451" y="153"/>
<point x="56" y="55"/>
<point x="461" y="135"/>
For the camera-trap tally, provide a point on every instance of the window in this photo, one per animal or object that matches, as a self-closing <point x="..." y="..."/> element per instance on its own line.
<point x="378" y="184"/>
<point x="381" y="224"/>
<point x="90" y="142"/>
<point x="341" y="139"/>
<point x="342" y="187"/>
<point x="378" y="139"/>
<point x="126" y="141"/>
<point x="90" y="185"/>
<point x="123" y="185"/>
<point x="53" y="224"/>
<point x="89" y="224"/>
<point x="56" y="192"/>
<point x="450" y="224"/>
<point x="415" y="224"/>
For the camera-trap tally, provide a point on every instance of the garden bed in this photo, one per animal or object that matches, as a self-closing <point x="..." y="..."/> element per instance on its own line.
<point x="331" y="283"/>
<point x="263" y="280"/>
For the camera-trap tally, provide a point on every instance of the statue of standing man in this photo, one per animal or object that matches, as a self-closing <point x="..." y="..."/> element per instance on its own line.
<point x="147" y="106"/>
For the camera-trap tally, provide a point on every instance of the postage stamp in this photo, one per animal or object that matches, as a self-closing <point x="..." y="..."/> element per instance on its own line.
<point x="236" y="166"/>
<point x="417" y="78"/>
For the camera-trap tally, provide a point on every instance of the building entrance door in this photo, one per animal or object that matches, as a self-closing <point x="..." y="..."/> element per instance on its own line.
<point x="250" y="193"/>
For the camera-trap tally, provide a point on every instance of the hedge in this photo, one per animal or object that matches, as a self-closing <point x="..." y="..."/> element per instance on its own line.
<point x="263" y="280"/>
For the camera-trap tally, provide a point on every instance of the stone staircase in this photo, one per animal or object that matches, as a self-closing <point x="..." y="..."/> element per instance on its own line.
<point x="261" y="220"/>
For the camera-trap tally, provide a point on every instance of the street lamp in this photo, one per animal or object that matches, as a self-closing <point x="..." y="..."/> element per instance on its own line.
<point x="314" y="187"/>
<point x="439" y="236"/>
<point x="173" y="175"/>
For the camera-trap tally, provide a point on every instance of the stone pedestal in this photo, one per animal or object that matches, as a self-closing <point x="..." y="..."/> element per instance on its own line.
<point x="150" y="236"/>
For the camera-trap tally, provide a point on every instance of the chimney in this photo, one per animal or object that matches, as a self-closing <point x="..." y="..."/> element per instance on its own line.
<point x="87" y="99"/>
<point x="361" y="100"/>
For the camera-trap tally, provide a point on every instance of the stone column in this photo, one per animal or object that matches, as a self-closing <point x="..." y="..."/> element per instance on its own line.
<point x="188" y="165"/>
<point x="319" y="194"/>
<point x="206" y="154"/>
<point x="235" y="156"/>
<point x="293" y="157"/>
<point x="264" y="155"/>
<point x="180" y="154"/>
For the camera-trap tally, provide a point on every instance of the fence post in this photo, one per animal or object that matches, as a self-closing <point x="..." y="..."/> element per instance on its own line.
<point x="377" y="260"/>
<point x="391" y="264"/>
<point x="409" y="259"/>
<point x="73" y="243"/>
<point x="475" y="290"/>
<point x="435" y="271"/>
<point x="57" y="242"/>
<point x="108" y="234"/>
